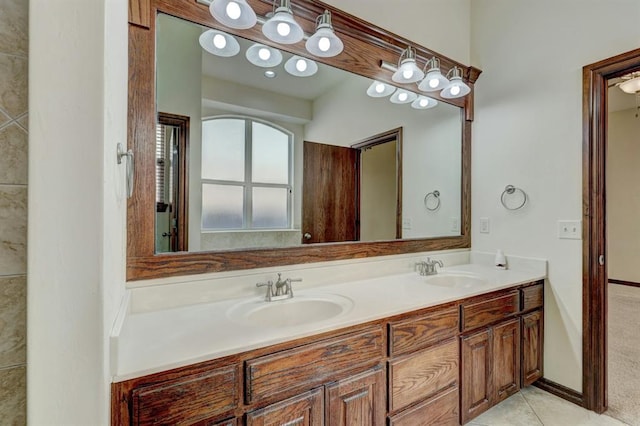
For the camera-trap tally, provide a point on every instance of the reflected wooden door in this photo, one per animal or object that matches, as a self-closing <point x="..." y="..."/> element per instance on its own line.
<point x="329" y="194"/>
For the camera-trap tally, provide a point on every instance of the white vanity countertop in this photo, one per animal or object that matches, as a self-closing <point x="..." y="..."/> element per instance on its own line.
<point x="150" y="342"/>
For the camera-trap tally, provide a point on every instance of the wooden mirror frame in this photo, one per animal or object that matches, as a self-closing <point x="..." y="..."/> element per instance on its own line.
<point x="365" y="46"/>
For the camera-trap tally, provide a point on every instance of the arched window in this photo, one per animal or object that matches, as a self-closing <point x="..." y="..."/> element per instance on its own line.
<point x="246" y="174"/>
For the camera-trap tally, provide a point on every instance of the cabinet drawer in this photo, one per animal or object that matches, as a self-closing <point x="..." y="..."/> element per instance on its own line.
<point x="187" y="400"/>
<point x="294" y="370"/>
<point x="439" y="410"/>
<point x="475" y="315"/>
<point x="419" y="332"/>
<point x="532" y="297"/>
<point x="423" y="374"/>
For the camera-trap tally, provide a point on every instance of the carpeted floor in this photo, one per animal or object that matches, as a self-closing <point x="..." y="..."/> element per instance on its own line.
<point x="624" y="353"/>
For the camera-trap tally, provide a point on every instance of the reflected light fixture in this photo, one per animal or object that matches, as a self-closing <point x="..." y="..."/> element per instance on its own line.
<point x="263" y="56"/>
<point x="324" y="42"/>
<point x="378" y="89"/>
<point x="281" y="27"/>
<point x="456" y="87"/>
<point x="632" y="85"/>
<point x="219" y="43"/>
<point x="300" y="67"/>
<point x="402" y="96"/>
<point x="408" y="71"/>
<point x="233" y="13"/>
<point x="270" y="74"/>
<point x="433" y="80"/>
<point x="423" y="102"/>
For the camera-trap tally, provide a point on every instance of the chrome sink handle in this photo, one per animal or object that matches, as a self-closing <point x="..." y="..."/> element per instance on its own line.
<point x="269" y="285"/>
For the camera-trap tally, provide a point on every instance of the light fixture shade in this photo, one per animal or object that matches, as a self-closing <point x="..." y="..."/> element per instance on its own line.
<point x="456" y="87"/>
<point x="324" y="42"/>
<point x="281" y="27"/>
<point x="434" y="80"/>
<point x="408" y="71"/>
<point x="233" y="13"/>
<point x="402" y="96"/>
<point x="630" y="86"/>
<point x="300" y="67"/>
<point x="219" y="43"/>
<point x="257" y="55"/>
<point x="424" y="102"/>
<point x="378" y="89"/>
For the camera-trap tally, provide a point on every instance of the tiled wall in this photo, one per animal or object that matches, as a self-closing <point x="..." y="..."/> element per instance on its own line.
<point x="13" y="209"/>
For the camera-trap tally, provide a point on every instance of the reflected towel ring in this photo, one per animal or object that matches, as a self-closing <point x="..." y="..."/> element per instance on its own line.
<point x="433" y="194"/>
<point x="509" y="190"/>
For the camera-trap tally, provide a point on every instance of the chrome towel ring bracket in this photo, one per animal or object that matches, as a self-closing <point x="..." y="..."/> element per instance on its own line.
<point x="432" y="201"/>
<point x="512" y="190"/>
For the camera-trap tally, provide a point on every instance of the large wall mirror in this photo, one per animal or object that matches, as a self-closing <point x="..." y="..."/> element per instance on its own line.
<point x="243" y="163"/>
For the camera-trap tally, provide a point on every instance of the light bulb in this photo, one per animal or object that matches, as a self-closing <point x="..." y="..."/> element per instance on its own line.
<point x="402" y="97"/>
<point x="407" y="73"/>
<point x="424" y="102"/>
<point x="433" y="83"/>
<point x="283" y="29"/>
<point x="301" y="65"/>
<point x="264" y="54"/>
<point x="219" y="41"/>
<point x="324" y="44"/>
<point x="379" y="88"/>
<point x="233" y="10"/>
<point x="455" y="90"/>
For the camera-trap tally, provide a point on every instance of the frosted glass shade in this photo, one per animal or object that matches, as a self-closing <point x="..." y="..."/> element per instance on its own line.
<point x="210" y="41"/>
<point x="300" y="67"/>
<point x="408" y="72"/>
<point x="233" y="13"/>
<point x="456" y="89"/>
<point x="423" y="102"/>
<point x="402" y="96"/>
<point x="631" y="86"/>
<point x="378" y="89"/>
<point x="282" y="28"/>
<point x="256" y="55"/>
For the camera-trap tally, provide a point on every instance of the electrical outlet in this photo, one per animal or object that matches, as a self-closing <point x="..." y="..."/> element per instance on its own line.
<point x="484" y="225"/>
<point x="570" y="229"/>
<point x="455" y="226"/>
<point x="406" y="223"/>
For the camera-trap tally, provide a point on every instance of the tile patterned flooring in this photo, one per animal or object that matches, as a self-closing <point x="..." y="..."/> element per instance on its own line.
<point x="535" y="407"/>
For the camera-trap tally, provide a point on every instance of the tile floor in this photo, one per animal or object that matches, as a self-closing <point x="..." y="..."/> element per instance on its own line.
<point x="534" y="407"/>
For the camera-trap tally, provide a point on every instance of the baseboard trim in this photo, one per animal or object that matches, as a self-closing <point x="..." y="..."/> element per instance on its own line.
<point x="559" y="390"/>
<point x="622" y="282"/>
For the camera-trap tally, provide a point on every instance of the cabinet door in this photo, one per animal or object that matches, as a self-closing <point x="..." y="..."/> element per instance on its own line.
<point x="506" y="357"/>
<point x="532" y="338"/>
<point x="357" y="401"/>
<point x="302" y="410"/>
<point x="477" y="383"/>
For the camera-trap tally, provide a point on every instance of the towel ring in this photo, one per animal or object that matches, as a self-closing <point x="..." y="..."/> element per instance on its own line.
<point x="509" y="190"/>
<point x="433" y="194"/>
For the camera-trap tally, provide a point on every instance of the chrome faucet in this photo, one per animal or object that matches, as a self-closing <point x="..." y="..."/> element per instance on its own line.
<point x="428" y="267"/>
<point x="283" y="288"/>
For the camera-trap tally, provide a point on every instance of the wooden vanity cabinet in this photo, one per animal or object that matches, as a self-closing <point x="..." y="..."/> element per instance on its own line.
<point x="305" y="410"/>
<point x="357" y="401"/>
<point x="532" y="347"/>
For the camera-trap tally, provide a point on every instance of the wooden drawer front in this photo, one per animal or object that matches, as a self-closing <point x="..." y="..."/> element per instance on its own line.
<point x="187" y="400"/>
<point x="440" y="410"/>
<point x="302" y="410"/>
<point x="420" y="332"/>
<point x="532" y="297"/>
<point x="422" y="374"/>
<point x="298" y="369"/>
<point x="475" y="315"/>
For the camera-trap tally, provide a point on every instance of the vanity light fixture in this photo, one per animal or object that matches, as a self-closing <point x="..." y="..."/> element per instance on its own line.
<point x="402" y="96"/>
<point x="300" y="67"/>
<point x="324" y="42"/>
<point x="408" y="71"/>
<point x="233" y="13"/>
<point x="219" y="43"/>
<point x="281" y="27"/>
<point x="270" y="74"/>
<point x="456" y="87"/>
<point x="378" y="89"/>
<point x="423" y="102"/>
<point x="263" y="56"/>
<point x="433" y="80"/>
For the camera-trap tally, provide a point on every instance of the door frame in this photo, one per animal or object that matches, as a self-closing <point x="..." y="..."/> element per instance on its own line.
<point x="594" y="245"/>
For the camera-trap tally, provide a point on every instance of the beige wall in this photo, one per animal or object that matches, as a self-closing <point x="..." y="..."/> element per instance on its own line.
<point x="623" y="195"/>
<point x="13" y="209"/>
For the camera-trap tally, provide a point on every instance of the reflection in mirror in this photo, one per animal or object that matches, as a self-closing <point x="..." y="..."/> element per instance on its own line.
<point x="261" y="141"/>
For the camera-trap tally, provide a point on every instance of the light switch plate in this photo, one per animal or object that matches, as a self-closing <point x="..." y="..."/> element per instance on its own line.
<point x="484" y="225"/>
<point x="570" y="229"/>
<point x="406" y="223"/>
<point x="455" y="225"/>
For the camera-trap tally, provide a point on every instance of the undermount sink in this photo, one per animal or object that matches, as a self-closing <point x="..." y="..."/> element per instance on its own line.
<point x="298" y="310"/>
<point x="455" y="280"/>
